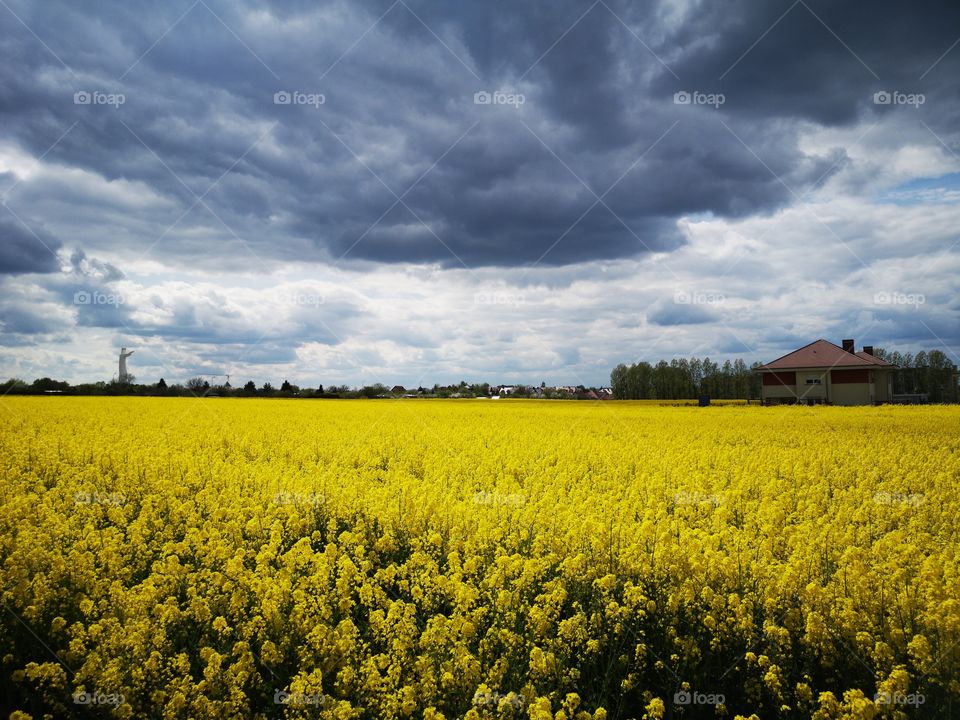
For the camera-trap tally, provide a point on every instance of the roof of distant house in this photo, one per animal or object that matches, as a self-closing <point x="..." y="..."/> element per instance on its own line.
<point x="824" y="354"/>
<point x="874" y="360"/>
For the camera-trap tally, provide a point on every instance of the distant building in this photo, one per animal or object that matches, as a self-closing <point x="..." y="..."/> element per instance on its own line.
<point x="822" y="372"/>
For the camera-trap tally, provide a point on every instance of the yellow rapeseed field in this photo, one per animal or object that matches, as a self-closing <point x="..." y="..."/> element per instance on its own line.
<point x="183" y="558"/>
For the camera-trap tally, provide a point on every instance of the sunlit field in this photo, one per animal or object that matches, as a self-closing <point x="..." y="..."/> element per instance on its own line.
<point x="168" y="558"/>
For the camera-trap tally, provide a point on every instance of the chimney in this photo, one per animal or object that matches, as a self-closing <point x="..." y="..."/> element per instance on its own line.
<point x="868" y="349"/>
<point x="848" y="345"/>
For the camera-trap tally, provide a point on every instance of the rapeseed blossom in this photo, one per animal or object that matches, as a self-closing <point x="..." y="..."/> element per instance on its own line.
<point x="439" y="559"/>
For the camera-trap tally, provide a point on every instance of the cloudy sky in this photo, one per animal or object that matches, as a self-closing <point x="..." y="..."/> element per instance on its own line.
<point x="419" y="191"/>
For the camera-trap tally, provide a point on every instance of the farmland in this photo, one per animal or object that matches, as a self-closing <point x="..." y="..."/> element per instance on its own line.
<point x="445" y="559"/>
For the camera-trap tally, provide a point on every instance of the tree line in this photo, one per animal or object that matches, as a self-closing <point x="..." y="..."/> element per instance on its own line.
<point x="194" y="387"/>
<point x="681" y="379"/>
<point x="929" y="373"/>
<point x="201" y="387"/>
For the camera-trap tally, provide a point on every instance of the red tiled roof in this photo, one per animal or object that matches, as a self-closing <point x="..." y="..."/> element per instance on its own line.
<point x="874" y="359"/>
<point x="821" y="354"/>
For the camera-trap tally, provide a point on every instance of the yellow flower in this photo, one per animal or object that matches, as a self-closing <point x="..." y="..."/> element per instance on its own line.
<point x="527" y="559"/>
<point x="655" y="709"/>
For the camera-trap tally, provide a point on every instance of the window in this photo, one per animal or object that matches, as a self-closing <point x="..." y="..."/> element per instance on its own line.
<point x="849" y="376"/>
<point x="813" y="381"/>
<point x="779" y="378"/>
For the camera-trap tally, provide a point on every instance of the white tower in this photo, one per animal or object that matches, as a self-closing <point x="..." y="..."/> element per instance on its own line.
<point x="123" y="364"/>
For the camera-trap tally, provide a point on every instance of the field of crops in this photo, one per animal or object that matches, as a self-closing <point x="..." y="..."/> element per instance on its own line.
<point x="167" y="558"/>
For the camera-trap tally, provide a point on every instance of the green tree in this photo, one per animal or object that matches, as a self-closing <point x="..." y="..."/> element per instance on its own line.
<point x="197" y="385"/>
<point x="620" y="382"/>
<point x="46" y="384"/>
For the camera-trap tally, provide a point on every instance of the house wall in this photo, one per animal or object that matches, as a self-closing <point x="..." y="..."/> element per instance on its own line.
<point x="839" y="387"/>
<point x="778" y="385"/>
<point x="812" y="391"/>
<point x="883" y="385"/>
<point x="777" y="392"/>
<point x="876" y="386"/>
<point x="850" y="393"/>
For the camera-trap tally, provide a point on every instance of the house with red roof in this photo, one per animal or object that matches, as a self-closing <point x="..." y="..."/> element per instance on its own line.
<point x="822" y="372"/>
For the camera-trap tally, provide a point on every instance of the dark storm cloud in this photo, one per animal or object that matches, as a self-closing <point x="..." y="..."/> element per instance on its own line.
<point x="668" y="313"/>
<point x="26" y="250"/>
<point x="736" y="346"/>
<point x="819" y="60"/>
<point x="198" y="127"/>
<point x="19" y="318"/>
